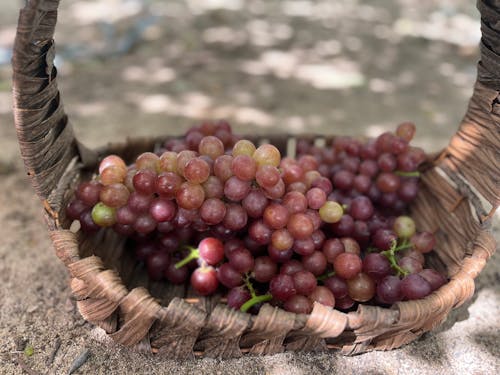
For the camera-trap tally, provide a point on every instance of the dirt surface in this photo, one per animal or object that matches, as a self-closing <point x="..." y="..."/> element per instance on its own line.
<point x="152" y="67"/>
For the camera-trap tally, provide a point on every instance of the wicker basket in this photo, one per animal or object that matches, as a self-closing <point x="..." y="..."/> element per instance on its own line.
<point x="459" y="195"/>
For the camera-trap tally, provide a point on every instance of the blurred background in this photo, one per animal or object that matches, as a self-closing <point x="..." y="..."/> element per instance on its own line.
<point x="150" y="67"/>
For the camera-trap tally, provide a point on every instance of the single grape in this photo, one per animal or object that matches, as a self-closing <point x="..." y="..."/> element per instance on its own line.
<point x="304" y="247"/>
<point x="113" y="175"/>
<point x="410" y="264"/>
<point x="300" y="226"/>
<point x="267" y="155"/>
<point x="343" y="180"/>
<point x="345" y="303"/>
<point x="236" y="297"/>
<point x="347" y="265"/>
<point x="114" y="195"/>
<point x="304" y="282"/>
<point x="332" y="248"/>
<point x="222" y="167"/>
<point x="148" y="161"/>
<point x="156" y="263"/>
<point x="282" y="287"/>
<point x="433" y="277"/>
<point x="406" y="130"/>
<point x="318" y="238"/>
<point x="87" y="223"/>
<point x="241" y="260"/>
<point x="387" y="162"/>
<point x="236" y="189"/>
<point x="388" y="182"/>
<point x="404" y="227"/>
<point x="204" y="280"/>
<point x="267" y="176"/>
<point x="236" y="217"/>
<point x="389" y="290"/>
<point x="276" y="216"/>
<point x="196" y="170"/>
<point x="376" y="266"/>
<point x="343" y="227"/>
<point x="211" y="250"/>
<point x="362" y="183"/>
<point x="315" y="263"/>
<point x="408" y="190"/>
<point x="75" y="208"/>
<point x="103" y="215"/>
<point x="243" y="147"/>
<point x="190" y="196"/>
<point x="291" y="266"/>
<point x="423" y="242"/>
<point x="308" y="163"/>
<point x="279" y="256"/>
<point x="193" y="138"/>
<point x="337" y="286"/>
<point x="281" y="239"/>
<point x="351" y="245"/>
<point x="162" y="209"/>
<point x="111" y="160"/>
<point x="169" y="242"/>
<point x="277" y="191"/>
<point x="323" y="295"/>
<point x="361" y="208"/>
<point x="295" y="202"/>
<point x="331" y="212"/>
<point x="168" y="162"/>
<point x="211" y="146"/>
<point x="298" y="304"/>
<point x="145" y="181"/>
<point x="292" y="173"/>
<point x="228" y="276"/>
<point x="167" y="184"/>
<point x="361" y="287"/>
<point x="144" y="224"/>
<point x="415" y="286"/>
<point x="213" y="187"/>
<point x="255" y="203"/>
<point x="324" y="184"/>
<point x="212" y="211"/>
<point x="264" y="269"/>
<point x="88" y="192"/>
<point x="383" y="239"/>
<point x="244" y="167"/>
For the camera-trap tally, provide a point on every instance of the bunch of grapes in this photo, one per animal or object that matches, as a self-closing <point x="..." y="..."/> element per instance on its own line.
<point x="320" y="228"/>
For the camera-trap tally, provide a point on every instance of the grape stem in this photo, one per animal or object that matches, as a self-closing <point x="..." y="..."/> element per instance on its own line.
<point x="407" y="174"/>
<point x="255" y="298"/>
<point x="390" y="255"/>
<point x="193" y="254"/>
<point x="325" y="276"/>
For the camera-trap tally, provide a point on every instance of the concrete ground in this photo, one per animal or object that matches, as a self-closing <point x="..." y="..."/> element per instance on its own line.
<point x="151" y="67"/>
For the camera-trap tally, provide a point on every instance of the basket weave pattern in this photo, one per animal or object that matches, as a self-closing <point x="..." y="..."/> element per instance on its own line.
<point x="457" y="199"/>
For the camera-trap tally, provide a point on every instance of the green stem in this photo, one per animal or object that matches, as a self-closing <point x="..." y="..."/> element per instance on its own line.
<point x="249" y="286"/>
<point x="390" y="255"/>
<point x="325" y="276"/>
<point x="255" y="300"/>
<point x="407" y="174"/>
<point x="193" y="254"/>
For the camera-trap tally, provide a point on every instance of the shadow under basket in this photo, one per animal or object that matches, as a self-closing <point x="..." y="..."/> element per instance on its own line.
<point x="458" y="197"/>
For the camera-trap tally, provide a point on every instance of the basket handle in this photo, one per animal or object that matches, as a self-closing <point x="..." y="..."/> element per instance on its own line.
<point x="45" y="137"/>
<point x="471" y="159"/>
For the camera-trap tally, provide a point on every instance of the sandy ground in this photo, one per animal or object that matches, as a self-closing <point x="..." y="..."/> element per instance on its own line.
<point x="258" y="65"/>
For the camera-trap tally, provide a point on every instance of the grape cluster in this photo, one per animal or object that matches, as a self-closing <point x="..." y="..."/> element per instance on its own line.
<point x="326" y="227"/>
